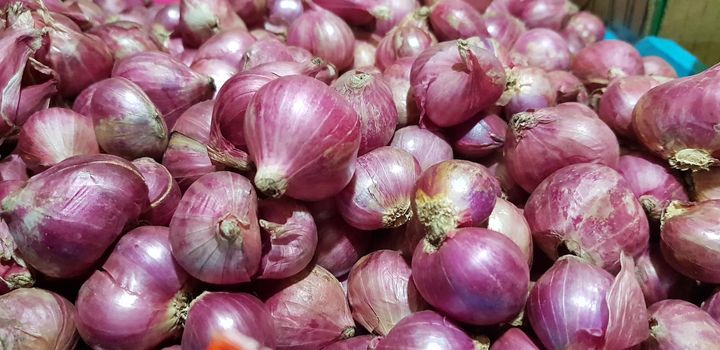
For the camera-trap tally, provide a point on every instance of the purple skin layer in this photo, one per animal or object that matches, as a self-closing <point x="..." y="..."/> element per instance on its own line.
<point x="124" y="38"/>
<point x="514" y="339"/>
<point x="163" y="191"/>
<point x="268" y="51"/>
<point x="542" y="48"/>
<point x="619" y="100"/>
<point x="528" y="88"/>
<point x="325" y="35"/>
<point x="658" y="67"/>
<point x="658" y="280"/>
<point x="427" y="147"/>
<point x="39" y="320"/>
<point x="397" y="76"/>
<point x="229" y="46"/>
<point x="712" y="306"/>
<point x="456" y="19"/>
<point x="478" y="137"/>
<point x="340" y="245"/>
<point x="653" y="183"/>
<point x="503" y="27"/>
<point x="405" y="41"/>
<point x="678" y="325"/>
<point x="426" y="330"/>
<point x="362" y="342"/>
<point x="584" y="27"/>
<point x="601" y="62"/>
<point x="569" y="88"/>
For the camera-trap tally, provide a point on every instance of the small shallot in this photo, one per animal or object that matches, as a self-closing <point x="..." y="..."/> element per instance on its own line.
<point x="652" y="182"/>
<point x="478" y="137"/>
<point x="163" y="191"/>
<point x="456" y="19"/>
<point x="601" y="62"/>
<point x="427" y="147"/>
<point x="619" y="100"/>
<point x="542" y="48"/>
<point x="426" y="330"/>
<point x="657" y="66"/>
<point x="678" y="324"/>
<point x="324" y="34"/>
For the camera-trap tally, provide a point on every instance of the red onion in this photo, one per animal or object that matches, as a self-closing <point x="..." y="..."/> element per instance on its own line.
<point x="289" y="238"/>
<point x="527" y="89"/>
<point x="541" y="142"/>
<point x="587" y="210"/>
<point x="584" y="28"/>
<point x="510" y="189"/>
<point x="706" y="184"/>
<point x="689" y="239"/>
<point x="124" y="38"/>
<point x="398" y="78"/>
<point x="568" y="87"/>
<point x="451" y="274"/>
<point x="677" y="324"/>
<point x="426" y="330"/>
<point x="456" y="19"/>
<point x="543" y="13"/>
<point x="427" y="147"/>
<point x="324" y="34"/>
<point x="364" y="52"/>
<point x="478" y="137"/>
<point x="33" y="99"/>
<point x="281" y="13"/>
<point x="65" y="241"/>
<point x="126" y="121"/>
<point x="677" y="120"/>
<point x="272" y="50"/>
<point x="170" y="85"/>
<point x="13" y="168"/>
<point x="37" y="319"/>
<point x="619" y="100"/>
<point x="363" y="342"/>
<point x="137" y="299"/>
<point x="251" y="11"/>
<point x="310" y="311"/>
<point x="514" y="339"/>
<point x="218" y="314"/>
<point x="509" y="220"/>
<point x="201" y="19"/>
<point x="169" y="17"/>
<point x="53" y="135"/>
<point x="354" y="12"/>
<point x="503" y="27"/>
<point x="381" y="291"/>
<point x="229" y="46"/>
<point x="542" y="48"/>
<point x="603" y="61"/>
<point x="404" y="41"/>
<point x="214" y="232"/>
<point x="656" y="66"/>
<point x="218" y="70"/>
<point x="658" y="280"/>
<point x="370" y="96"/>
<point x="712" y="305"/>
<point x="651" y="182"/>
<point x="339" y="244"/>
<point x="319" y="160"/>
<point x="452" y="81"/>
<point x="163" y="191"/>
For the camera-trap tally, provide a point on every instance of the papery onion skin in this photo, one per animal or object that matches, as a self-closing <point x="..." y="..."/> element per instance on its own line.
<point x="569" y="88"/>
<point x="381" y="291"/>
<point x="33" y="99"/>
<point x="124" y="38"/>
<point x="324" y="34"/>
<point x="214" y="232"/>
<point x="163" y="191"/>
<point x="677" y="324"/>
<point x="229" y="46"/>
<point x="273" y="50"/>
<point x="689" y="239"/>
<point x="456" y="19"/>
<point x="542" y="48"/>
<point x="597" y="225"/>
<point x="657" y="66"/>
<point x="86" y="201"/>
<point x="212" y="313"/>
<point x="55" y="134"/>
<point x="339" y="244"/>
<point x="201" y="19"/>
<point x="289" y="236"/>
<point x="514" y="339"/>
<point x="427" y="147"/>
<point x="304" y="167"/>
<point x="619" y="100"/>
<point x="677" y="121"/>
<point x="601" y="62"/>
<point x="14" y="272"/>
<point x="398" y="78"/>
<point x="658" y="280"/>
<point x="527" y="89"/>
<point x="425" y="330"/>
<point x="654" y="184"/>
<point x="478" y="137"/>
<point x="503" y="27"/>
<point x="362" y="342"/>
<point x="404" y="41"/>
<point x="706" y="185"/>
<point x="37" y="319"/>
<point x="541" y="142"/>
<point x="310" y="311"/>
<point x="507" y="219"/>
<point x="137" y="299"/>
<point x="13" y="168"/>
<point x="584" y="27"/>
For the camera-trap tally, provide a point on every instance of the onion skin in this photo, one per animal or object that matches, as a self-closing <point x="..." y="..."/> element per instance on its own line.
<point x="427" y="147"/>
<point x="677" y="324"/>
<point x="218" y="70"/>
<point x="404" y="41"/>
<point x="656" y="66"/>
<point x="266" y="51"/>
<point x="33" y="99"/>
<point x="219" y="313"/>
<point x="381" y="291"/>
<point x="214" y="232"/>
<point x="710" y="306"/>
<point x="281" y="13"/>
<point x="528" y="88"/>
<point x="603" y="61"/>
<point x="362" y="342"/>
<point x="569" y="88"/>
<point x="364" y="52"/>
<point x="37" y="319"/>
<point x="514" y="339"/>
<point x="456" y="99"/>
<point x="542" y="48"/>
<point x="53" y="135"/>
<point x="289" y="237"/>
<point x="688" y="116"/>
<point x="503" y="27"/>
<point x="229" y="46"/>
<point x="398" y="78"/>
<point x="201" y="19"/>
<point x="456" y="19"/>
<point x="658" y="280"/>
<point x="339" y="244"/>
<point x="354" y="12"/>
<point x="597" y="225"/>
<point x="539" y="143"/>
<point x="689" y="239"/>
<point x="136" y="300"/>
<point x="250" y="11"/>
<point x="425" y="330"/>
<point x="13" y="270"/>
<point x="619" y="100"/>
<point x="507" y="219"/>
<point x="324" y="34"/>
<point x="478" y="137"/>
<point x="163" y="191"/>
<point x="13" y="168"/>
<point x="124" y="38"/>
<point x="86" y="201"/>
<point x="168" y="16"/>
<point x="310" y="311"/>
<point x="653" y="184"/>
<point x="319" y="160"/>
<point x="706" y="185"/>
<point x="584" y="28"/>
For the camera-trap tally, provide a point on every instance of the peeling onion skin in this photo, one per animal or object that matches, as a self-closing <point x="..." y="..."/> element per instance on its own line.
<point x="589" y="210"/>
<point x="507" y="219"/>
<point x="362" y="342"/>
<point x="478" y="137"/>
<point x="514" y="339"/>
<point x="324" y="34"/>
<point x="214" y="232"/>
<point x="678" y="120"/>
<point x="706" y="185"/>
<point x="599" y="63"/>
<point x="619" y="100"/>
<point x="541" y="48"/>
<point x="569" y="88"/>
<point x="677" y="324"/>
<point x="657" y="67"/>
<point x="690" y="241"/>
<point x="658" y="280"/>
<point x="503" y="27"/>
<point x="163" y="191"/>
<point x="456" y="19"/>
<point x="426" y="330"/>
<point x="653" y="183"/>
<point x="427" y="147"/>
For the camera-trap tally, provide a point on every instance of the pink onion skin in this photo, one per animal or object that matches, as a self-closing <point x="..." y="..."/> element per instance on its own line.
<point x="508" y="219"/>
<point x="354" y="12"/>
<point x="514" y="339"/>
<point x="140" y="269"/>
<point x="398" y="78"/>
<point x="425" y="330"/>
<point x="362" y="342"/>
<point x="619" y="100"/>
<point x="456" y="19"/>
<point x="124" y="38"/>
<point x="689" y="240"/>
<point x="53" y="135"/>
<point x="711" y="306"/>
<point x="163" y="191"/>
<point x="478" y="137"/>
<point x="542" y="13"/>
<point x="324" y="34"/>
<point x="289" y="237"/>
<point x="218" y="70"/>
<point x="427" y="147"/>
<point x="603" y="61"/>
<point x="498" y="167"/>
<point x="214" y="313"/>
<point x="528" y="88"/>
<point x="7" y="187"/>
<point x="170" y="85"/>
<point x="503" y="27"/>
<point x="658" y="280"/>
<point x="320" y="160"/>
<point x="687" y="116"/>
<point x="339" y="244"/>
<point x="677" y="324"/>
<point x="569" y="88"/>
<point x="390" y="13"/>
<point x="229" y="46"/>
<point x="404" y="41"/>
<point x="381" y="291"/>
<point x="584" y="28"/>
<point x="126" y="121"/>
<point x="597" y="225"/>
<point x="370" y="96"/>
<point x="14" y="272"/>
<point x="653" y="184"/>
<point x="214" y="232"/>
<point x="13" y="168"/>
<point x="201" y="19"/>
<point x="364" y="53"/>
<point x="705" y="185"/>
<point x="168" y="16"/>
<point x="451" y="275"/>
<point x="281" y="13"/>
<point x="87" y="201"/>
<point x="542" y="48"/>
<point x="38" y="319"/>
<point x="310" y="311"/>
<point x="539" y="143"/>
<point x="457" y="98"/>
<point x="658" y="67"/>
<point x="33" y="99"/>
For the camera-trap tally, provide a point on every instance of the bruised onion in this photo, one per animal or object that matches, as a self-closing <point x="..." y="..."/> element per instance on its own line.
<point x="568" y="87"/>
<point x="34" y="318"/>
<point x="398" y="78"/>
<point x="427" y="147"/>
<point x="229" y="46"/>
<point x="138" y="298"/>
<point x="426" y="330"/>
<point x="163" y="192"/>
<point x="362" y="342"/>
<point x="619" y="100"/>
<point x="678" y="324"/>
<point x="507" y="219"/>
<point x="201" y="19"/>
<point x="324" y="34"/>
<point x="13" y="168"/>
<point x="124" y="38"/>
<point x="214" y="232"/>
<point x="601" y="62"/>
<point x="658" y="280"/>
<point x="339" y="244"/>
<point x="527" y="89"/>
<point x="654" y="185"/>
<point x="584" y="27"/>
<point x="55" y="134"/>
<point x="541" y="142"/>
<point x="587" y="210"/>
<point x="404" y="41"/>
<point x="503" y="27"/>
<point x="542" y="48"/>
<point x="656" y="66"/>
<point x="456" y="19"/>
<point x="65" y="242"/>
<point x="514" y="339"/>
<point x="479" y="136"/>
